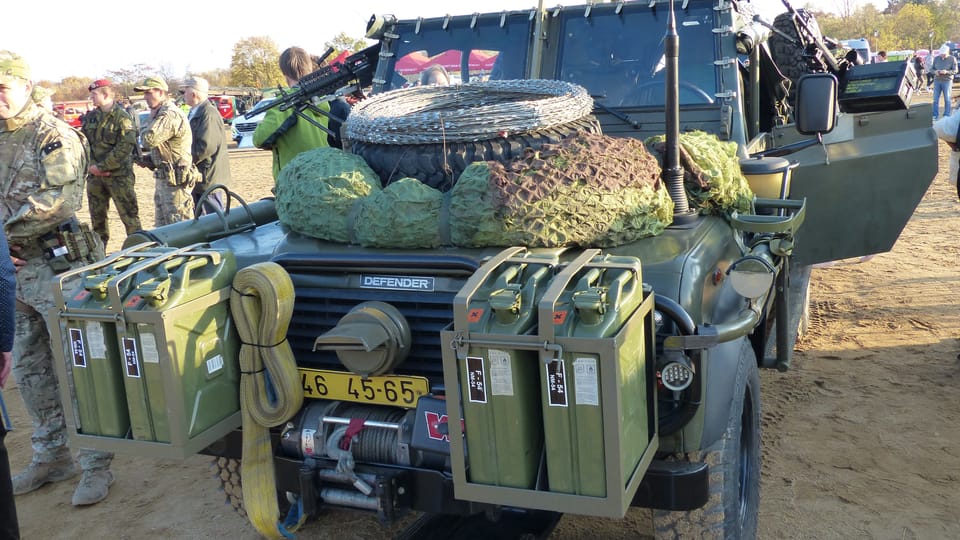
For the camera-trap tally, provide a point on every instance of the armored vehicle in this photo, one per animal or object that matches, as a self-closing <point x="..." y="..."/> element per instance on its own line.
<point x="495" y="388"/>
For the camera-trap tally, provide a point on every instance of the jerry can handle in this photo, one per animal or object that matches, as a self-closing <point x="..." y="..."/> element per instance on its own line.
<point x="624" y="280"/>
<point x="197" y="262"/>
<point x="548" y="302"/>
<point x="107" y="261"/>
<point x="461" y="301"/>
<point x="113" y="288"/>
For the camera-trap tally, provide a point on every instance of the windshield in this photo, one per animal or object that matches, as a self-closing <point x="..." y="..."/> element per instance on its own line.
<point x="619" y="57"/>
<point x="463" y="49"/>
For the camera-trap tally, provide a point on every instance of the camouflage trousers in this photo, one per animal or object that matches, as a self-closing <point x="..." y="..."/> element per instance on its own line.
<point x="100" y="189"/>
<point x="174" y="202"/>
<point x="33" y="366"/>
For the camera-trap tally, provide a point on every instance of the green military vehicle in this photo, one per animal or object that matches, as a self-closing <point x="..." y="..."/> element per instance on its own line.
<point x="494" y="389"/>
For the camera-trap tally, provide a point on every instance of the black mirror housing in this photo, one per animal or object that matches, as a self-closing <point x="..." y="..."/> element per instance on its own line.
<point x="816" y="105"/>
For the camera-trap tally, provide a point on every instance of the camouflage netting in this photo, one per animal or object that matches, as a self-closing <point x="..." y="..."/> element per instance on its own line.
<point x="712" y="177"/>
<point x="317" y="189"/>
<point x="589" y="190"/>
<point x="405" y="214"/>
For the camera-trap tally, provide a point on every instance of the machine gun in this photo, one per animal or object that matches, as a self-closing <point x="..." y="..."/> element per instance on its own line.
<point x="329" y="82"/>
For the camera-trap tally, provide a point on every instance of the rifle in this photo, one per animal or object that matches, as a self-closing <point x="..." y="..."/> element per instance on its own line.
<point x="329" y="82"/>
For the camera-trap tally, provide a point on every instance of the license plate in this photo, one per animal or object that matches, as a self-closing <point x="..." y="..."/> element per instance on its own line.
<point x="398" y="390"/>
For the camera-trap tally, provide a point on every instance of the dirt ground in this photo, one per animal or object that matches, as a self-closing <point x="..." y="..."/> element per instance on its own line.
<point x="860" y="437"/>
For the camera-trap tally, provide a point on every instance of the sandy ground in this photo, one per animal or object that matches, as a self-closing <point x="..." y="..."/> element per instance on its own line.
<point x="860" y="438"/>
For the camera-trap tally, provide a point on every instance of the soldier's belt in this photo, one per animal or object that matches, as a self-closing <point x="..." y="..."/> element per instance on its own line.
<point x="69" y="242"/>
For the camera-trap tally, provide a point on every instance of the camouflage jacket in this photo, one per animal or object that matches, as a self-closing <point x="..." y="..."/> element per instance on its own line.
<point x="112" y="138"/>
<point x="43" y="164"/>
<point x="167" y="135"/>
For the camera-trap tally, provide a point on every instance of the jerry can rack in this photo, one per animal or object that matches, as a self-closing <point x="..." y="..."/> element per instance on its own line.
<point x="179" y="391"/>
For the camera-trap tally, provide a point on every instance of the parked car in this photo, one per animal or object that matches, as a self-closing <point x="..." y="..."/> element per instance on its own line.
<point x="142" y="117"/>
<point x="244" y="125"/>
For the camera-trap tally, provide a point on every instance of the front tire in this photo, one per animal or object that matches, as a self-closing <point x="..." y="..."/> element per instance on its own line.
<point x="734" y="460"/>
<point x="228" y="474"/>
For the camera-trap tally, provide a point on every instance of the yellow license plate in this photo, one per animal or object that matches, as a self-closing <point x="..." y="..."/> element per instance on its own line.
<point x="398" y="390"/>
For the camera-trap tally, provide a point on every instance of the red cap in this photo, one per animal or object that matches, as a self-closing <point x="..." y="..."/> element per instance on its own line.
<point x="99" y="83"/>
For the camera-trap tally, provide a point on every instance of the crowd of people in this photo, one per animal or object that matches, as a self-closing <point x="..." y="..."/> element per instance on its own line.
<point x="46" y="167"/>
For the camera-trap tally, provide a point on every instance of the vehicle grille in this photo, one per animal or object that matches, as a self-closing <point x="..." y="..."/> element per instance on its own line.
<point x="246" y="126"/>
<point x="319" y="307"/>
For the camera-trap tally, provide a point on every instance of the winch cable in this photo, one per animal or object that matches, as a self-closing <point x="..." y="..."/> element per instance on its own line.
<point x="270" y="391"/>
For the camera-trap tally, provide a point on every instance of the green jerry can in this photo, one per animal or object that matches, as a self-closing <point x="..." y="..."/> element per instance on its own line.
<point x="94" y="365"/>
<point x="501" y="402"/>
<point x="179" y="345"/>
<point x="594" y="304"/>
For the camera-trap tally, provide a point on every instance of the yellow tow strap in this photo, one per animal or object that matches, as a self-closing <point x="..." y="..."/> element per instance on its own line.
<point x="262" y="304"/>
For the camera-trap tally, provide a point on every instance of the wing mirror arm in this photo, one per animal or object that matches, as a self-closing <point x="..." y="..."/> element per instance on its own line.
<point x="815" y="113"/>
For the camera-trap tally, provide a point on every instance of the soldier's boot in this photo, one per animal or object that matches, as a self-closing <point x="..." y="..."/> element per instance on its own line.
<point x="93" y="487"/>
<point x="37" y="474"/>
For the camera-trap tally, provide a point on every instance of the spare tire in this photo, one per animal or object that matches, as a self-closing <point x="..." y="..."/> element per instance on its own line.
<point x="432" y="133"/>
<point x="439" y="165"/>
<point x="785" y="52"/>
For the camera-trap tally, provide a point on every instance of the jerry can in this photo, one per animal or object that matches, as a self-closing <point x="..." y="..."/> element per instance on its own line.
<point x="499" y="380"/>
<point x="179" y="345"/>
<point x="592" y="307"/>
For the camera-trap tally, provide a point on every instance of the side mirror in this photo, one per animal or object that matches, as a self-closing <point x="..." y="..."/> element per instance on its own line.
<point x="816" y="109"/>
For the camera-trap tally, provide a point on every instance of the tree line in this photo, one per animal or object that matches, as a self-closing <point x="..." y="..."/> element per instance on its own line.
<point x="902" y="25"/>
<point x="254" y="63"/>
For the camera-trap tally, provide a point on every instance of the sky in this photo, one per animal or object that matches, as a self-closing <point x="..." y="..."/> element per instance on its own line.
<point x="87" y="39"/>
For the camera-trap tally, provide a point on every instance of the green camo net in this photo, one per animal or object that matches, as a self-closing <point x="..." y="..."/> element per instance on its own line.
<point x="587" y="191"/>
<point x="712" y="177"/>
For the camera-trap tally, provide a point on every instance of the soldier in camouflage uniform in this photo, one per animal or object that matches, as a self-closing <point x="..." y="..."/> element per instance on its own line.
<point x="43" y="162"/>
<point x="110" y="130"/>
<point x="167" y="135"/>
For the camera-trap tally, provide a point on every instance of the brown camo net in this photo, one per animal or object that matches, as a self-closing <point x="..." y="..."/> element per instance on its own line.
<point x="601" y="162"/>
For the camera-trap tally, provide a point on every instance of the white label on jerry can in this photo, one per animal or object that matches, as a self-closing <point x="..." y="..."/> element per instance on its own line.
<point x="214" y="364"/>
<point x="585" y="387"/>
<point x="501" y="373"/>
<point x="130" y="357"/>
<point x="476" y="381"/>
<point x="97" y="346"/>
<point x="76" y="347"/>
<point x="148" y="346"/>
<point x="556" y="383"/>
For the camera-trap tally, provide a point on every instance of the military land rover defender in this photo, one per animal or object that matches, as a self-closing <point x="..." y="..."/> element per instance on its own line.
<point x="510" y="384"/>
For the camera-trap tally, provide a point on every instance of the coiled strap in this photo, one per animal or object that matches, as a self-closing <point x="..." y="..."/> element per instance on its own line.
<point x="270" y="391"/>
